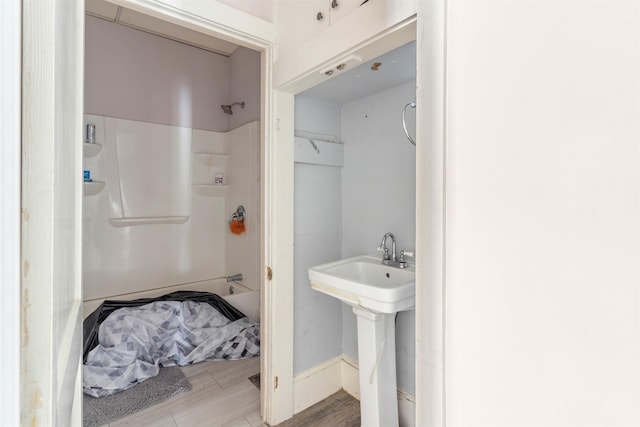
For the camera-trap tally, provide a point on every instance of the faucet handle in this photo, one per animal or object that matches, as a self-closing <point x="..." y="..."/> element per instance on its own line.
<point x="403" y="255"/>
<point x="385" y="250"/>
<point x="402" y="262"/>
<point x="407" y="254"/>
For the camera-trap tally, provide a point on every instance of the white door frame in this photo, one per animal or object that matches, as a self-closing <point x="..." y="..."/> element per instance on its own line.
<point x="374" y="46"/>
<point x="430" y="213"/>
<point x="224" y="22"/>
<point x="10" y="170"/>
<point x="51" y="212"/>
<point x="430" y="197"/>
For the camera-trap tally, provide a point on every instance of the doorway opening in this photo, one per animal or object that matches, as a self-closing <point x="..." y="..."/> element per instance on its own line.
<point x="168" y="167"/>
<point x="355" y="180"/>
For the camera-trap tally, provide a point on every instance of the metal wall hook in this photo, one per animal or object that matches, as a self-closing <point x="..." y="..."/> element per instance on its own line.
<point x="314" y="145"/>
<point x="404" y="124"/>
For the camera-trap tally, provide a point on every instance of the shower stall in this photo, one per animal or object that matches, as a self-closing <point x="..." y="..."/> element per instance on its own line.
<point x="156" y="220"/>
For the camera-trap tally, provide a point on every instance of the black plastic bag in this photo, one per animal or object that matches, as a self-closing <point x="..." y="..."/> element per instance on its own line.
<point x="91" y="324"/>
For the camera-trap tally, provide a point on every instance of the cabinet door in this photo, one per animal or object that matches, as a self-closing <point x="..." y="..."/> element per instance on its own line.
<point x="298" y="22"/>
<point x="343" y="8"/>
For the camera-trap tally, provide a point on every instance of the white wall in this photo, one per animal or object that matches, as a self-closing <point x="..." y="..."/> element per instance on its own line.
<point x="244" y="85"/>
<point x="318" y="116"/>
<point x="317" y="317"/>
<point x="376" y="192"/>
<point x="262" y="9"/>
<point x="318" y="233"/>
<point x="543" y="203"/>
<point x="379" y="176"/>
<point x="139" y="76"/>
<point x="243" y="177"/>
<point x="378" y="195"/>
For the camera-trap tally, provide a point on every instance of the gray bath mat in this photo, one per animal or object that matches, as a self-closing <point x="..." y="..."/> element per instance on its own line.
<point x="169" y="382"/>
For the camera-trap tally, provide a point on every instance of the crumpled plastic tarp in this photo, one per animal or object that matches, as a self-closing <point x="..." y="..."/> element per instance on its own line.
<point x="133" y="341"/>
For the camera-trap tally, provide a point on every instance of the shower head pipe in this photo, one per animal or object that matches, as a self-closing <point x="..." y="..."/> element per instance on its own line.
<point x="228" y="108"/>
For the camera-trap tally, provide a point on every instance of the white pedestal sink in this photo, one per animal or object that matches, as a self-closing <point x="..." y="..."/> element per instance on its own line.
<point x="376" y="292"/>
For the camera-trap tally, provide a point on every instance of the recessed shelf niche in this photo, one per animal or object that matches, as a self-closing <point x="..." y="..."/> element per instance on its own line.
<point x="205" y="168"/>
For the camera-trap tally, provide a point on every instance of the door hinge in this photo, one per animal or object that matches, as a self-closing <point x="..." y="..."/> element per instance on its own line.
<point x="269" y="275"/>
<point x="275" y="383"/>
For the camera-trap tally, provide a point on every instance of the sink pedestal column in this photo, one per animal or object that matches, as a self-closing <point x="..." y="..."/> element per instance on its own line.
<point x="377" y="366"/>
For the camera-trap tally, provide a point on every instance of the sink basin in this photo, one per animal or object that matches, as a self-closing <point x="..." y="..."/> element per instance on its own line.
<point x="363" y="281"/>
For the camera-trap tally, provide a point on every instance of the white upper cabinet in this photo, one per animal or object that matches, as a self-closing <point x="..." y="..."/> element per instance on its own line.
<point x="341" y="8"/>
<point x="312" y="33"/>
<point x="300" y="21"/>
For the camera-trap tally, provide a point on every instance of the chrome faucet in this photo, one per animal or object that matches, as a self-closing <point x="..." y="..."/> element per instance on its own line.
<point x="383" y="247"/>
<point x="392" y="260"/>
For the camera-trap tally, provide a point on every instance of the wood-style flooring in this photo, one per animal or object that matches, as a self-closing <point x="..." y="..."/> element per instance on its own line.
<point x="222" y="395"/>
<point x="338" y="410"/>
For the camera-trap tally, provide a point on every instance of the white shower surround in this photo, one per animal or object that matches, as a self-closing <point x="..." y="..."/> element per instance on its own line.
<point x="134" y="259"/>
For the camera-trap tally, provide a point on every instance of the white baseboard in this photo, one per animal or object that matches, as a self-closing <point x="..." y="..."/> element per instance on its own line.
<point x="321" y="381"/>
<point x="316" y="384"/>
<point x="406" y="409"/>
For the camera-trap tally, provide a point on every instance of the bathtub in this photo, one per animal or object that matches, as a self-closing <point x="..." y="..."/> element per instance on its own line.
<point x="244" y="299"/>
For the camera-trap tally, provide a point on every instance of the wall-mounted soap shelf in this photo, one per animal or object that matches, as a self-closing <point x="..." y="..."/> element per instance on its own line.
<point x="207" y="168"/>
<point x="210" y="190"/>
<point x="144" y="220"/>
<point x="89" y="188"/>
<point x="211" y="159"/>
<point x="91" y="150"/>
